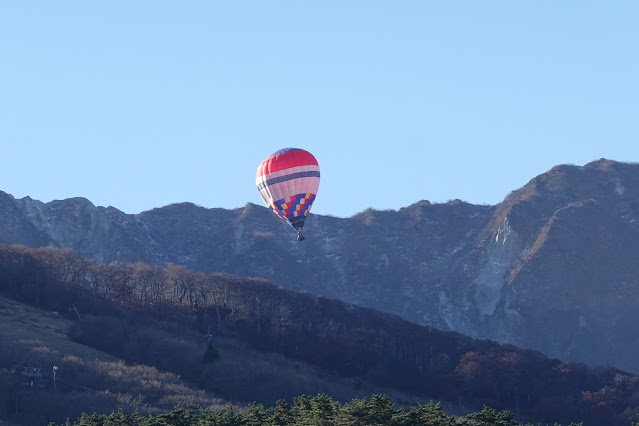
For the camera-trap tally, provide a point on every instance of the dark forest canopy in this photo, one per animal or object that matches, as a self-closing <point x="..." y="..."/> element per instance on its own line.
<point x="305" y="410"/>
<point x="341" y="338"/>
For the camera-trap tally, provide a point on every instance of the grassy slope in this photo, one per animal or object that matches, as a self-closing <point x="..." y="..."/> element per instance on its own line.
<point x="87" y="379"/>
<point x="31" y="328"/>
<point x="94" y="381"/>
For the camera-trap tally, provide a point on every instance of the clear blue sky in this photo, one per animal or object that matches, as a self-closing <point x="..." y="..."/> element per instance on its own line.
<point x="139" y="104"/>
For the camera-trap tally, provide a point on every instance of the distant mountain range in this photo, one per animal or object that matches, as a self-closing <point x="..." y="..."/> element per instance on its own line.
<point x="554" y="267"/>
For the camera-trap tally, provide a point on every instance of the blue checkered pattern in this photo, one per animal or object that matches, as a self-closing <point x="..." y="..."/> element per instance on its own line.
<point x="295" y="209"/>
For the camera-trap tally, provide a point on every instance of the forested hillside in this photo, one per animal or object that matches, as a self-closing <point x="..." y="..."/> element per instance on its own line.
<point x="126" y="308"/>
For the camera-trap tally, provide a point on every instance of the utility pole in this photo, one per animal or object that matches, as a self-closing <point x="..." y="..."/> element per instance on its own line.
<point x="55" y="370"/>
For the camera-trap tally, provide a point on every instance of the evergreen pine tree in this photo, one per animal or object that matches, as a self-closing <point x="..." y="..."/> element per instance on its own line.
<point x="323" y="410"/>
<point x="430" y="414"/>
<point x="256" y="415"/>
<point x="301" y="411"/>
<point x="354" y="413"/>
<point x="489" y="417"/>
<point x="281" y="413"/>
<point x="211" y="354"/>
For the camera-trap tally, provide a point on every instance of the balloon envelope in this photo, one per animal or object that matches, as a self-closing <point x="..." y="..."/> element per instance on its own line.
<point x="288" y="182"/>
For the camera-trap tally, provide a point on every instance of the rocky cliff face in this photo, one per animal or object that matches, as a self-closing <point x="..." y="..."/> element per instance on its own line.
<point x="554" y="267"/>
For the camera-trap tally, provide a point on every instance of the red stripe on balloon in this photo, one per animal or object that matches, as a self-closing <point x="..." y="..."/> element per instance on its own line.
<point x="285" y="160"/>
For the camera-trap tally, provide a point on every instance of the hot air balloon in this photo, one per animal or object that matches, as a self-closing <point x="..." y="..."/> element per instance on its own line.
<point x="288" y="181"/>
